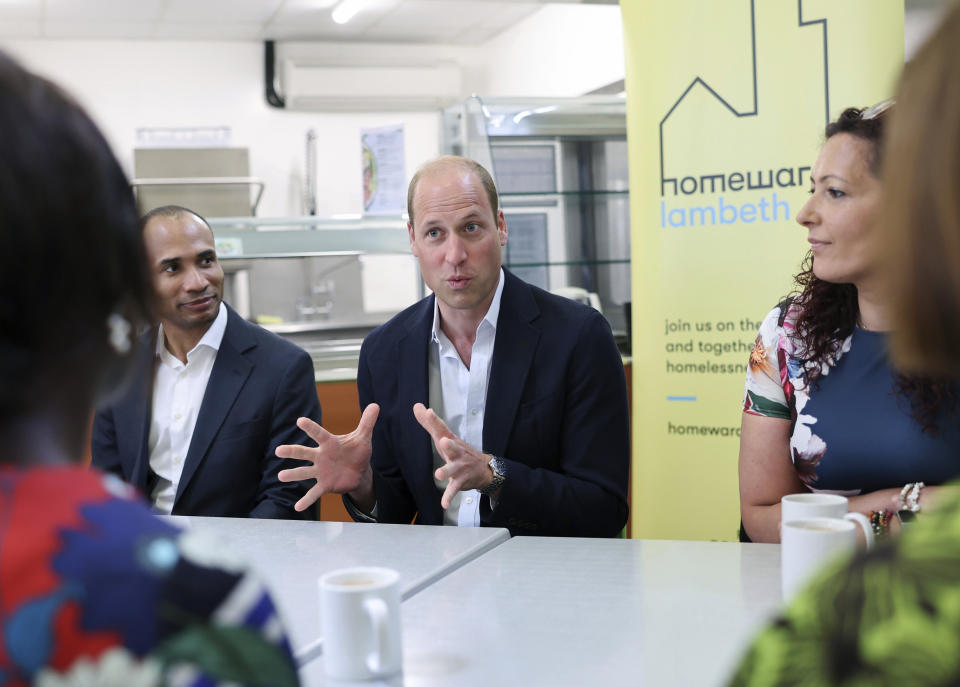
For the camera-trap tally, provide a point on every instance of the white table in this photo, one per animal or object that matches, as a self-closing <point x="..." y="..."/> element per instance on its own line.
<point x="539" y="611"/>
<point x="291" y="555"/>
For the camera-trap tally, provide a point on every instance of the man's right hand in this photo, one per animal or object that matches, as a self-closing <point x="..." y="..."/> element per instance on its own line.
<point x="340" y="463"/>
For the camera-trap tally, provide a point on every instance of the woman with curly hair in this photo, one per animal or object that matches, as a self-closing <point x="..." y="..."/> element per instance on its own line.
<point x="823" y="408"/>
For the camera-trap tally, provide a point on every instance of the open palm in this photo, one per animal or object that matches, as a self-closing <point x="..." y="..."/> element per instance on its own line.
<point x="339" y="462"/>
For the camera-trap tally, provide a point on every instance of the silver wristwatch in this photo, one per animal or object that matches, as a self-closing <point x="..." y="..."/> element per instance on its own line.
<point x="499" y="475"/>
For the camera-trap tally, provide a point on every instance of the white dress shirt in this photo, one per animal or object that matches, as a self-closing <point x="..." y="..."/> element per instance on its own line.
<point x="459" y="396"/>
<point x="178" y="391"/>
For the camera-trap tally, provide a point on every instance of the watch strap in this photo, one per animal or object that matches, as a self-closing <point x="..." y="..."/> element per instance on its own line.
<point x="499" y="476"/>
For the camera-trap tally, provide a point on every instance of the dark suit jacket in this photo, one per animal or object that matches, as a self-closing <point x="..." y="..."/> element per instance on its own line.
<point x="556" y="413"/>
<point x="260" y="384"/>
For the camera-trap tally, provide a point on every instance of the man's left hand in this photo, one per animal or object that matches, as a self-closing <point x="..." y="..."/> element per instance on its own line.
<point x="466" y="467"/>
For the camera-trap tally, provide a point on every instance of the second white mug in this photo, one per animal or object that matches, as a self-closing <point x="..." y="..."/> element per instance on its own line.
<point x="805" y="506"/>
<point x="807" y="545"/>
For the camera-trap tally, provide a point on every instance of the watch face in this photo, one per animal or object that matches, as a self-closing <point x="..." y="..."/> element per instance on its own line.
<point x="906" y="517"/>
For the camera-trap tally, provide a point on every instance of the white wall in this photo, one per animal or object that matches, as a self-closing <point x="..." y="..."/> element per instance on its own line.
<point x="126" y="85"/>
<point x="918" y="24"/>
<point x="561" y="50"/>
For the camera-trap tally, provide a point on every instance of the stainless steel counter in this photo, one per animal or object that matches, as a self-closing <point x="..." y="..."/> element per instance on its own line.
<point x="335" y="350"/>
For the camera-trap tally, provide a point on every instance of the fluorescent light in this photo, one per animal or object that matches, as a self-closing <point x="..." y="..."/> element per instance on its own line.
<point x="346" y="10"/>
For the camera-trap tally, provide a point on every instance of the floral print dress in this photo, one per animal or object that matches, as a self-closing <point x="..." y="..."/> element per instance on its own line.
<point x="776" y="385"/>
<point x="95" y="590"/>
<point x="851" y="432"/>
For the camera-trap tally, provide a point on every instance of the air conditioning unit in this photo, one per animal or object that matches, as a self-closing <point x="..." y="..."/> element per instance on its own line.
<point x="312" y="86"/>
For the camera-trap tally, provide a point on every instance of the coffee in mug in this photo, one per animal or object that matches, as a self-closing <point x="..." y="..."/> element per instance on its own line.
<point x="806" y="506"/>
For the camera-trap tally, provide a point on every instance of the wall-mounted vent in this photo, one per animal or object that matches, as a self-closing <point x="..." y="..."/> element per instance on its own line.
<point x="359" y="88"/>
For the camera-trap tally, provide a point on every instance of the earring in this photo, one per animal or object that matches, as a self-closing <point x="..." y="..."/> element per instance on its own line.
<point x="119" y="336"/>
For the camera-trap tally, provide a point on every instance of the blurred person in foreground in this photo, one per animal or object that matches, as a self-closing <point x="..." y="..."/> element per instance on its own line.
<point x="213" y="395"/>
<point x="824" y="410"/>
<point x="499" y="404"/>
<point x="93" y="588"/>
<point x="891" y="616"/>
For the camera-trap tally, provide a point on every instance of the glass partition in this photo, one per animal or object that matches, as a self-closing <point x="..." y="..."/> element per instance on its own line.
<point x="561" y="168"/>
<point x="313" y="279"/>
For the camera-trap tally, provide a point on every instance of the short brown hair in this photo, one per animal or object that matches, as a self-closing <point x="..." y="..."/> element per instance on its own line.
<point x="455" y="161"/>
<point x="920" y="220"/>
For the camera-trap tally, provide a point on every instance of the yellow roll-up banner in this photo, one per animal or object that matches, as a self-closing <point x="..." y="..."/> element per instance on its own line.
<point x="726" y="106"/>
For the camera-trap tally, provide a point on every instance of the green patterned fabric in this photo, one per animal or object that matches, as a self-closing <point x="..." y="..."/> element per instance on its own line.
<point x="890" y="616"/>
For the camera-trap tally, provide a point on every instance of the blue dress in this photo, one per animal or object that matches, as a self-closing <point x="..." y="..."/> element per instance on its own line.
<point x="851" y="431"/>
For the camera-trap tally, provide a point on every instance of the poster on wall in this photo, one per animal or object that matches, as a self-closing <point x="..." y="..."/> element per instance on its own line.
<point x="384" y="181"/>
<point x="722" y="135"/>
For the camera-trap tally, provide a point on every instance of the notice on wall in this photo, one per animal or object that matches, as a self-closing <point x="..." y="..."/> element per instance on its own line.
<point x="384" y="174"/>
<point x="723" y="135"/>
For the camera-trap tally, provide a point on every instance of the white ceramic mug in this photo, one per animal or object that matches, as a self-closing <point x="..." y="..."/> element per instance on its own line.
<point x="807" y="545"/>
<point x="360" y="617"/>
<point x="802" y="506"/>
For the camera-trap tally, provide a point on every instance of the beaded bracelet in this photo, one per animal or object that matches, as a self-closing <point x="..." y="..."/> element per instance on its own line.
<point x="880" y="522"/>
<point x="913" y="498"/>
<point x="910" y="497"/>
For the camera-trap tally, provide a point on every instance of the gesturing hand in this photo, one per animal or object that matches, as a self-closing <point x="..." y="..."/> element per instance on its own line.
<point x="340" y="462"/>
<point x="466" y="467"/>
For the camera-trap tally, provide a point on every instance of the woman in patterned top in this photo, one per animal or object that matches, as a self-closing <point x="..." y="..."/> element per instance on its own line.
<point x="93" y="589"/>
<point x="892" y="615"/>
<point x="823" y="409"/>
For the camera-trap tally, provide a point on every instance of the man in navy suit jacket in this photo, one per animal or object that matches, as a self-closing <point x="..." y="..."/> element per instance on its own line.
<point x="214" y="395"/>
<point x="528" y="423"/>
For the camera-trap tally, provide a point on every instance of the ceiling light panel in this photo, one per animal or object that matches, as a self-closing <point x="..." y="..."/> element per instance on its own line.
<point x="319" y="22"/>
<point x="453" y="15"/>
<point x="226" y="31"/>
<point x="308" y="5"/>
<point x="111" y="11"/>
<point x="226" y="11"/>
<point x="97" y="30"/>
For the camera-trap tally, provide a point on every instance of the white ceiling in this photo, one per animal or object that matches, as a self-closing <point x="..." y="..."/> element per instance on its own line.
<point x="406" y="21"/>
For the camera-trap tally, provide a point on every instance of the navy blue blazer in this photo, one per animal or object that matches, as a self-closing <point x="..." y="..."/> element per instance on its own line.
<point x="260" y="384"/>
<point x="556" y="413"/>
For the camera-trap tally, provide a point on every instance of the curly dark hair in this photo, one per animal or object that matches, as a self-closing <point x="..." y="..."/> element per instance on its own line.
<point x="829" y="312"/>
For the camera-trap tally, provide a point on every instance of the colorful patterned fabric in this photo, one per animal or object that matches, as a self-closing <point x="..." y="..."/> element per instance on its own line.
<point x="889" y="617"/>
<point x="851" y="432"/>
<point x="95" y="590"/>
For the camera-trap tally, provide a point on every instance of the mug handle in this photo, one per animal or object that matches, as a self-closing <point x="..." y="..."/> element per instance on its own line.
<point x="376" y="610"/>
<point x="861" y="520"/>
